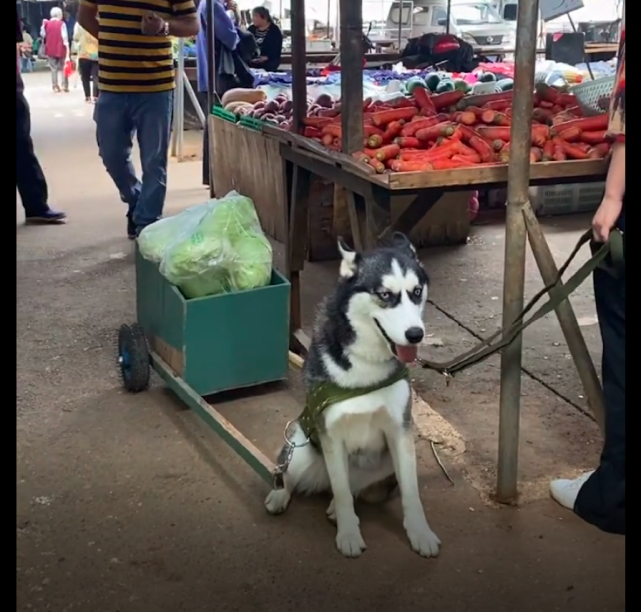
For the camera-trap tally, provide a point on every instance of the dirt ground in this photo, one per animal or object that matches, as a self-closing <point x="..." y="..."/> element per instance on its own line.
<point x="130" y="504"/>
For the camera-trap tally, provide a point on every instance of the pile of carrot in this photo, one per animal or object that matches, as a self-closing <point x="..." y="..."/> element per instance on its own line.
<point x="451" y="130"/>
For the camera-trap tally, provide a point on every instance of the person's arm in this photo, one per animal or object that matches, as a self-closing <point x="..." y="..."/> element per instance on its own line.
<point x="224" y="28"/>
<point x="65" y="36"/>
<point x="88" y="16"/>
<point x="612" y="204"/>
<point x="76" y="32"/>
<point x="43" y="28"/>
<point x="184" y="21"/>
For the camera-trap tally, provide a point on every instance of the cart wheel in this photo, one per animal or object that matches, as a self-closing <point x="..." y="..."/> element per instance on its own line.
<point x="133" y="358"/>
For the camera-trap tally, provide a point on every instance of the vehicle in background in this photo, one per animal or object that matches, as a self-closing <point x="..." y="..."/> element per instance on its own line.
<point x="475" y="21"/>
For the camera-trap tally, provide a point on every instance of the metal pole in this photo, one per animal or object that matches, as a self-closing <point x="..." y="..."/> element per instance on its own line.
<point x="180" y="94"/>
<point x="211" y="63"/>
<point x="449" y="16"/>
<point x="194" y="100"/>
<point x="515" y="242"/>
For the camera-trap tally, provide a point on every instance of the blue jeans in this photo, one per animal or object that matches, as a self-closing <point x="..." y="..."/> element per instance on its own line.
<point x="118" y="117"/>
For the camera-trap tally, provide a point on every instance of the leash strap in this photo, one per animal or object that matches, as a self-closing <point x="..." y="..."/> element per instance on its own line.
<point x="558" y="292"/>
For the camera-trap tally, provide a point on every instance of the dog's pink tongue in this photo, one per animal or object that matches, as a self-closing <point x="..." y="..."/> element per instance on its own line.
<point x="406" y="354"/>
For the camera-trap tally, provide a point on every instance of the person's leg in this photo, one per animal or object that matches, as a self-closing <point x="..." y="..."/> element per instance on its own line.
<point x="30" y="180"/>
<point x="202" y="98"/>
<point x="84" y="68"/>
<point x="599" y="497"/>
<point x="114" y="133"/>
<point x="53" y="66"/>
<point x="94" y="79"/>
<point x="151" y="114"/>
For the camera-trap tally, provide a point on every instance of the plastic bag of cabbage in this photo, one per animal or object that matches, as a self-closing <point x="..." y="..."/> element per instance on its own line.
<point x="225" y="251"/>
<point x="155" y="238"/>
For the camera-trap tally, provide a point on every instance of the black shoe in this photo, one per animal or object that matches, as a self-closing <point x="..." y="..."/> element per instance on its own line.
<point x="50" y="216"/>
<point x="132" y="234"/>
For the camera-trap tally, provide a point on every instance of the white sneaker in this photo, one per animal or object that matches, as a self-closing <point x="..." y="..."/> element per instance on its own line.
<point x="566" y="491"/>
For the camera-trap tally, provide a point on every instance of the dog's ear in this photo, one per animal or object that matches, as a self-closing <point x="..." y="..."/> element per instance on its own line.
<point x="349" y="260"/>
<point x="402" y="242"/>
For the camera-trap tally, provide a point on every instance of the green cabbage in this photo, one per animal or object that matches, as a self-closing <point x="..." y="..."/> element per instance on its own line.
<point x="253" y="262"/>
<point x="155" y="238"/>
<point x="224" y="251"/>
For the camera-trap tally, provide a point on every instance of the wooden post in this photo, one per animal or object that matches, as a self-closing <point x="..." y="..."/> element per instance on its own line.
<point x="352" y="52"/>
<point x="567" y="319"/>
<point x="299" y="64"/>
<point x="515" y="243"/>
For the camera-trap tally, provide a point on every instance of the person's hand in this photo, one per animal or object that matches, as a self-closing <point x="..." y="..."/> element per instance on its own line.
<point x="231" y="5"/>
<point x="261" y="59"/>
<point x="151" y="24"/>
<point x="605" y="218"/>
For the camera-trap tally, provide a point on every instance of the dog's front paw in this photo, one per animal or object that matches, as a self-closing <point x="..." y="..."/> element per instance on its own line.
<point x="277" y="501"/>
<point x="350" y="543"/>
<point x="423" y="540"/>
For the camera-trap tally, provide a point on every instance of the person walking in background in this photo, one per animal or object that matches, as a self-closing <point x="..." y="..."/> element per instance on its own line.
<point x="598" y="496"/>
<point x="225" y="36"/>
<point x="30" y="180"/>
<point x="87" y="62"/>
<point x="269" y="39"/>
<point x="56" y="41"/>
<point x="136" y="75"/>
<point x="26" y="49"/>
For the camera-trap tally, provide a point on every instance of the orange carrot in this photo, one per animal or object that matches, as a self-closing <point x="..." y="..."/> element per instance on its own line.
<point x="379" y="166"/>
<point x="587" y="124"/>
<point x="548" y="150"/>
<point x="498" y="105"/>
<point x="495" y="133"/>
<point x="333" y="130"/>
<point x="435" y="131"/>
<point x="327" y="140"/>
<point x="382" y="118"/>
<point x="492" y="117"/>
<point x="410" y="166"/>
<point x="482" y="147"/>
<point x="466" y="118"/>
<point x="449" y="164"/>
<point x="370" y="130"/>
<point x="604" y="147"/>
<point x="594" y="137"/>
<point x="540" y="133"/>
<point x="387" y="152"/>
<point x="543" y="115"/>
<point x="392" y="130"/>
<point x="566" y="99"/>
<point x="423" y="99"/>
<point x="572" y="151"/>
<point x="361" y="156"/>
<point x="312" y="132"/>
<point x="375" y="141"/>
<point x="447" y="99"/>
<point x="536" y="155"/>
<point x="468" y="159"/>
<point x="559" y="153"/>
<point x="410" y="129"/>
<point x="408" y="142"/>
<point x="571" y="134"/>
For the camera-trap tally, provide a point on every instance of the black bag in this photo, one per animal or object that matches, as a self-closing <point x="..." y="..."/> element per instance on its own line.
<point x="424" y="52"/>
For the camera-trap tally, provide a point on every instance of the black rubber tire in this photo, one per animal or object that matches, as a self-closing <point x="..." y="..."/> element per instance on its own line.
<point x="133" y="358"/>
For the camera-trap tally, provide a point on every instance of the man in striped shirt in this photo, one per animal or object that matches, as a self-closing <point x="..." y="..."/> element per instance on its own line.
<point x="136" y="79"/>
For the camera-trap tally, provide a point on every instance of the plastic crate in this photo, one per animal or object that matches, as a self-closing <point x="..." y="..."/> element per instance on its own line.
<point x="565" y="199"/>
<point x="220" y="112"/>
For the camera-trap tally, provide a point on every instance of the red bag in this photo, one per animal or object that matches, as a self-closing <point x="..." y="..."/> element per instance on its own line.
<point x="69" y="68"/>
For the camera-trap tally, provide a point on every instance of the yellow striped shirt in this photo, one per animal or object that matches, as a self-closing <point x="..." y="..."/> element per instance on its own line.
<point x="130" y="61"/>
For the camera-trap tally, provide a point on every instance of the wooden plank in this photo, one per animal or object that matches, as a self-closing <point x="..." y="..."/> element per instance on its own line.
<point x="352" y="50"/>
<point x="299" y="64"/>
<point x="468" y="177"/>
<point x="245" y="449"/>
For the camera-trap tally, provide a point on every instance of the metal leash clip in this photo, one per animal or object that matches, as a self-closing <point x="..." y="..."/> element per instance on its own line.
<point x="278" y="474"/>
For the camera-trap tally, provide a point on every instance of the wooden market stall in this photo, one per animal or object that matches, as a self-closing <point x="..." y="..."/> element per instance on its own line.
<point x="369" y="196"/>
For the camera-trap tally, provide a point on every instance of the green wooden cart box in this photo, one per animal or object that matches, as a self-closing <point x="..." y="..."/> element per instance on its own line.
<point x="220" y="342"/>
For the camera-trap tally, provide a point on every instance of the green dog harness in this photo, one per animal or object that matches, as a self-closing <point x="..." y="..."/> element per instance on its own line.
<point x="328" y="393"/>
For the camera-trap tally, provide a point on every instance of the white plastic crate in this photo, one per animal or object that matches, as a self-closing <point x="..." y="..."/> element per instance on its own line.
<point x="565" y="199"/>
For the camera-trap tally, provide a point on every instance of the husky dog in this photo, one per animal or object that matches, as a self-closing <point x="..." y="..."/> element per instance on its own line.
<point x="365" y="333"/>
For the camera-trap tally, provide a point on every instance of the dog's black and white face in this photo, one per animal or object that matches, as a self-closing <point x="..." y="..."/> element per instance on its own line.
<point x="389" y="289"/>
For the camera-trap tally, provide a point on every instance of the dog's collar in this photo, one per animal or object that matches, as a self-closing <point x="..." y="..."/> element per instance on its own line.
<point x="328" y="393"/>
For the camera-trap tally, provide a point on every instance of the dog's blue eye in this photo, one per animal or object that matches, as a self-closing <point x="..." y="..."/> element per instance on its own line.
<point x="384" y="295"/>
<point x="418" y="291"/>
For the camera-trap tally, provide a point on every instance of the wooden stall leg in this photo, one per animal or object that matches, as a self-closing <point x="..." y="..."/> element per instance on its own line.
<point x="567" y="319"/>
<point x="413" y="214"/>
<point x="368" y="216"/>
<point x="298" y="206"/>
